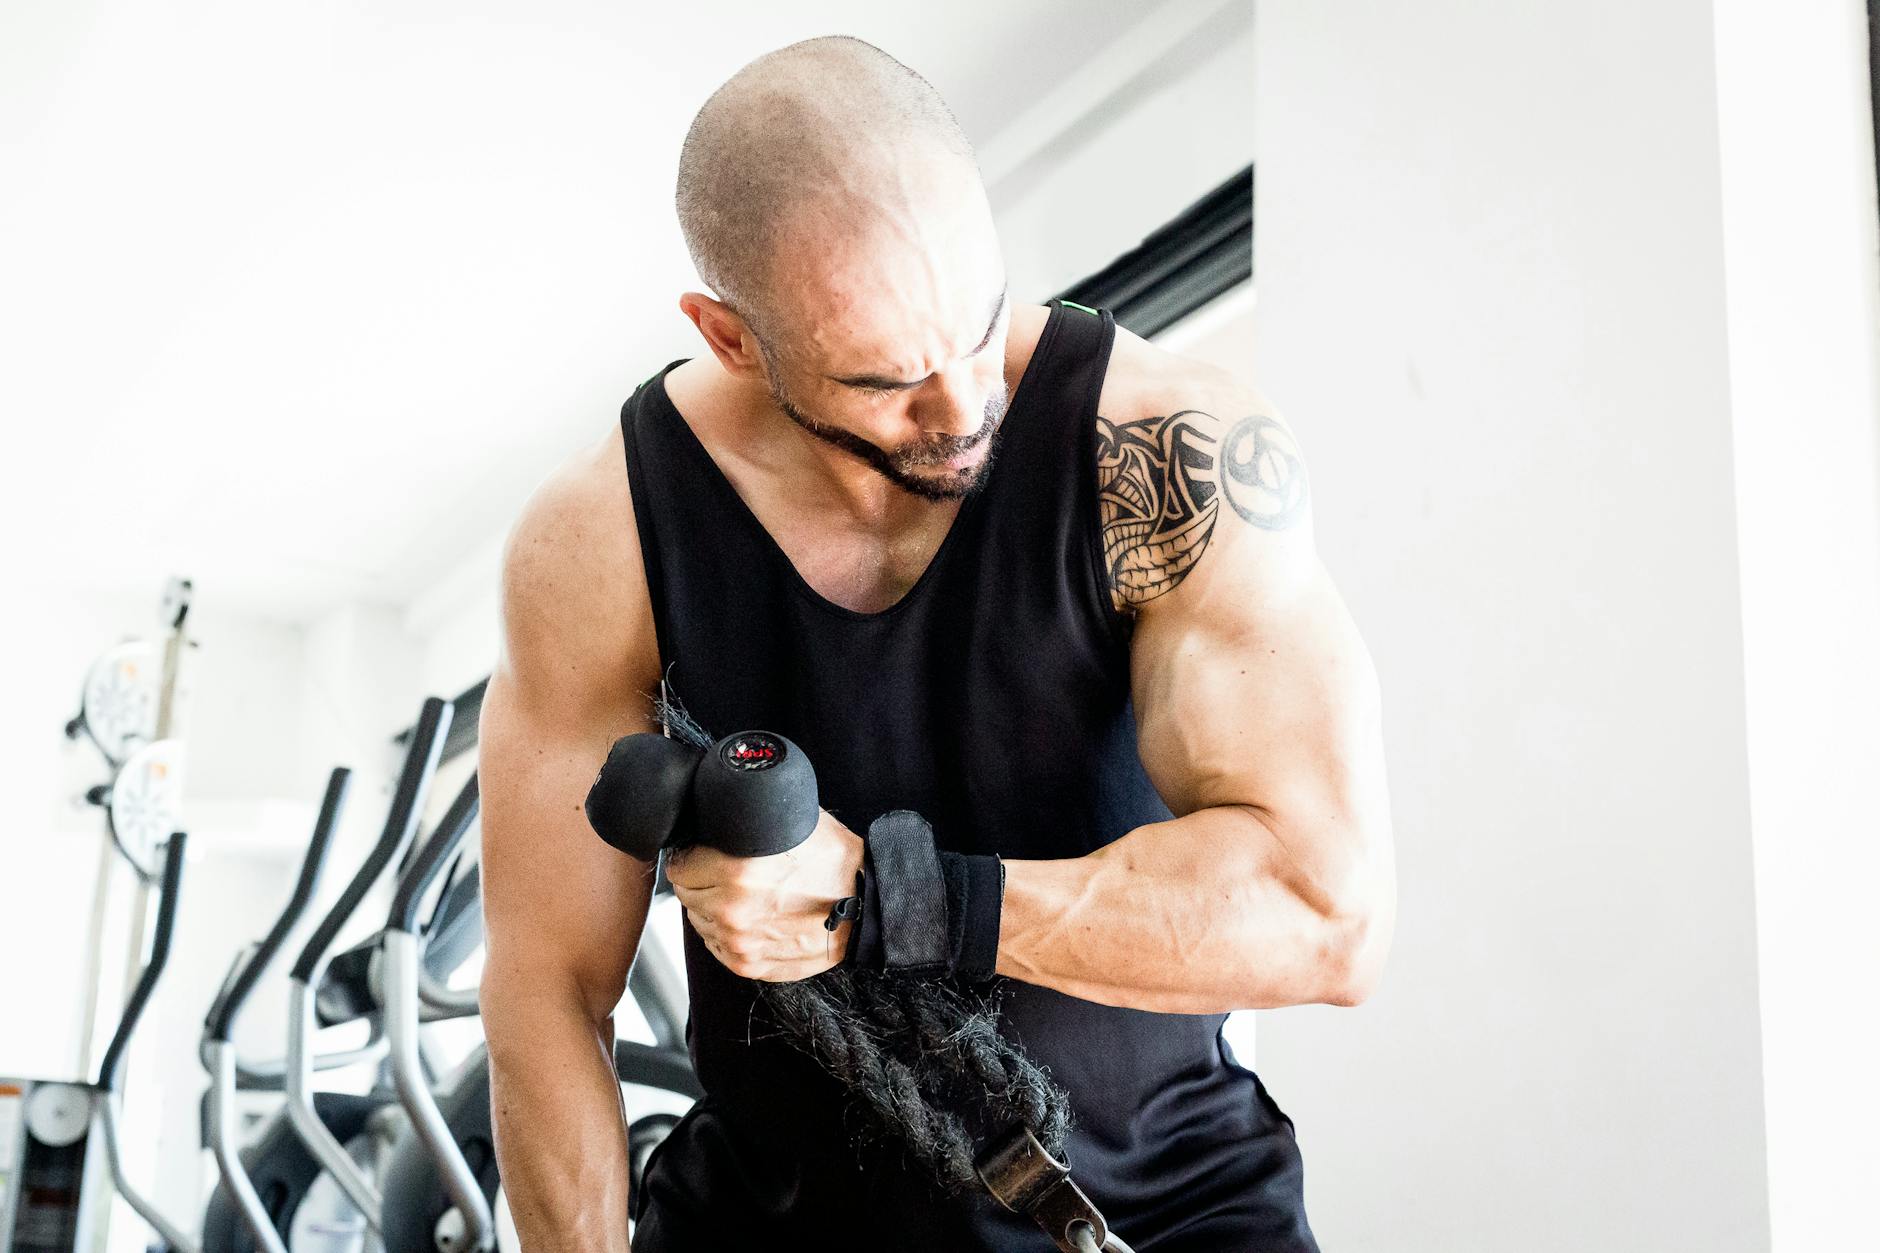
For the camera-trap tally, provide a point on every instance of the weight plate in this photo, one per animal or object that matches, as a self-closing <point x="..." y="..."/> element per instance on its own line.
<point x="147" y="798"/>
<point x="122" y="691"/>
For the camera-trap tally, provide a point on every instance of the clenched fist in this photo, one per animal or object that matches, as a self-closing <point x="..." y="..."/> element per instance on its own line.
<point x="762" y="917"/>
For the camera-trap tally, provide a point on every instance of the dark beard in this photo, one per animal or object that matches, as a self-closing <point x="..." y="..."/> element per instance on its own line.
<point x="950" y="487"/>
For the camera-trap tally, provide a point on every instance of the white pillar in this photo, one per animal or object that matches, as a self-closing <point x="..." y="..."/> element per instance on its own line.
<point x="1800" y="247"/>
<point x="1490" y="261"/>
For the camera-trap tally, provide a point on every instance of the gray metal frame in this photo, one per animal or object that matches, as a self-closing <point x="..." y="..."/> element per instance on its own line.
<point x="225" y="1143"/>
<point x="414" y="1092"/>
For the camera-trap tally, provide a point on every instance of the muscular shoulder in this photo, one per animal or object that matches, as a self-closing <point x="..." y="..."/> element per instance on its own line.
<point x="577" y="620"/>
<point x="1191" y="459"/>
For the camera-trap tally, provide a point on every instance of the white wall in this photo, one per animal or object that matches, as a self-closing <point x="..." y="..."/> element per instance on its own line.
<point x="1803" y="270"/>
<point x="1492" y="254"/>
<point x="457" y="620"/>
<point x="1154" y="124"/>
<point x="241" y="724"/>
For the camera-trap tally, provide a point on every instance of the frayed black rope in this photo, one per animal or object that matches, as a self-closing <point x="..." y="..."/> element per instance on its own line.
<point x="679" y="724"/>
<point x="911" y="1051"/>
<point x="888" y="1083"/>
<point x="1017" y="1089"/>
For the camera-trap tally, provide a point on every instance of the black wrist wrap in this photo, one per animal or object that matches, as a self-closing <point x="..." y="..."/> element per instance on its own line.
<point x="925" y="912"/>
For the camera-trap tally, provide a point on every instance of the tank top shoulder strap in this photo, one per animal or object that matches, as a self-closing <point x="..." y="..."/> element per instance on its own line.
<point x="1077" y="358"/>
<point x="1073" y="364"/>
<point x="648" y="458"/>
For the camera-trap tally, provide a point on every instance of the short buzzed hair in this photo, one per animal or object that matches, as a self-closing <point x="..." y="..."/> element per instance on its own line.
<point x="814" y="117"/>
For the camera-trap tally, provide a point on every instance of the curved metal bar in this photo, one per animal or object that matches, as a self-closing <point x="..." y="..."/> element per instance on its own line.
<point x="223" y="1142"/>
<point x="432" y="855"/>
<point x="271" y="1075"/>
<point x="107" y="1111"/>
<point x="235" y="995"/>
<point x="414" y="1093"/>
<point x="320" y="1141"/>
<point x="401" y="823"/>
<point x="437" y="1001"/>
<point x="113" y="1064"/>
<point x="111" y="1070"/>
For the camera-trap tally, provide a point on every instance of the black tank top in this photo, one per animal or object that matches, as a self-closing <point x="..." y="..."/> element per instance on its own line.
<point x="993" y="698"/>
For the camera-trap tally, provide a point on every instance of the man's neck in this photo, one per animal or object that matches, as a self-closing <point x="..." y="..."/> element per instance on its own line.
<point x="737" y="418"/>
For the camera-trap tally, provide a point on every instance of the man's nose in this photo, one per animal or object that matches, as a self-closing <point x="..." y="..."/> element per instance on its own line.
<point x="953" y="403"/>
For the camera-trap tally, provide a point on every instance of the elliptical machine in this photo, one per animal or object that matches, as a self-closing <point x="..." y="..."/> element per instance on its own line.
<point x="258" y="1203"/>
<point x="438" y="1187"/>
<point x="272" y="1176"/>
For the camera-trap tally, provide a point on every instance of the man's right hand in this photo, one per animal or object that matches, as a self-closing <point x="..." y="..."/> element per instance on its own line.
<point x="763" y="916"/>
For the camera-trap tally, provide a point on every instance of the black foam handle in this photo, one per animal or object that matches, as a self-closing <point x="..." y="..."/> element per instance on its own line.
<point x="431" y="857"/>
<point x="755" y="795"/>
<point x="750" y="794"/>
<point x="109" y="1070"/>
<point x="221" y="1018"/>
<point x="401" y="822"/>
<point x="643" y="794"/>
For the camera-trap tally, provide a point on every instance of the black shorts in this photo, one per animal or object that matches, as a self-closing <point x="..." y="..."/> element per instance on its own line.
<point x="712" y="1184"/>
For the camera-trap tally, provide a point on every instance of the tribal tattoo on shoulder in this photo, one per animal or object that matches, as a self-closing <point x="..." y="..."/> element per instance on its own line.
<point x="1160" y="482"/>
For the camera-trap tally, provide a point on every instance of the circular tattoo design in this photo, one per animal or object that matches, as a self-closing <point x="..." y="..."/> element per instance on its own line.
<point x="1160" y="481"/>
<point x="1262" y="474"/>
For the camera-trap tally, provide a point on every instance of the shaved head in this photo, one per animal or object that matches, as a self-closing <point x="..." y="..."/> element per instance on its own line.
<point x="801" y="140"/>
<point x="830" y="200"/>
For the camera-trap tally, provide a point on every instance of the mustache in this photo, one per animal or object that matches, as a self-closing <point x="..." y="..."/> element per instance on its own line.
<point x="947" y="448"/>
<point x="935" y="454"/>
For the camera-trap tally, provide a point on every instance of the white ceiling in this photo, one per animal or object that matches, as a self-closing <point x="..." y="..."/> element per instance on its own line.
<point x="302" y="300"/>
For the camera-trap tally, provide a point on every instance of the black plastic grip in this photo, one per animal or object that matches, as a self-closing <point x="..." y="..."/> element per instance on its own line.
<point x="108" y="1070"/>
<point x="427" y="743"/>
<point x="754" y="794"/>
<point x="751" y="795"/>
<point x="642" y="798"/>
<point x="221" y="1019"/>
<point x="430" y="860"/>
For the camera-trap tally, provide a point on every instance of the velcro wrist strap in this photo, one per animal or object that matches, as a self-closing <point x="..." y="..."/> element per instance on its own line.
<point x="906" y="893"/>
<point x="975" y="899"/>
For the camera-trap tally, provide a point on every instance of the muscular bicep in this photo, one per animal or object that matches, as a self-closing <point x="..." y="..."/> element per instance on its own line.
<point x="558" y="903"/>
<point x="1250" y="682"/>
<point x="577" y="670"/>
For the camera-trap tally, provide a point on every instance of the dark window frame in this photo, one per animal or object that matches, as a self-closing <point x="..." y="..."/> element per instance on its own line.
<point x="1204" y="252"/>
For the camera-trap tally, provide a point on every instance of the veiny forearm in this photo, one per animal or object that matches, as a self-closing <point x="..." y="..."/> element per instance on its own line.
<point x="1198" y="915"/>
<point x="561" y="1140"/>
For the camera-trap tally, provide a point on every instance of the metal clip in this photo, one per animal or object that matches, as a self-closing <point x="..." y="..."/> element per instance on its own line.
<point x="1026" y="1179"/>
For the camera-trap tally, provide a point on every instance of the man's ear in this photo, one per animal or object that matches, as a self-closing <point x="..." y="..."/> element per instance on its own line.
<point x="727" y="334"/>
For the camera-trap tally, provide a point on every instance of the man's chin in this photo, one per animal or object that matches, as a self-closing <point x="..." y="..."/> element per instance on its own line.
<point x="940" y="482"/>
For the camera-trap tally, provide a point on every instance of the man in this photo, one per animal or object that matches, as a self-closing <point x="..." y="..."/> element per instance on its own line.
<point x="1003" y="565"/>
